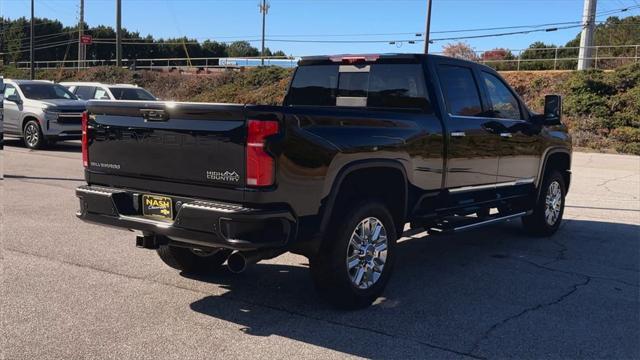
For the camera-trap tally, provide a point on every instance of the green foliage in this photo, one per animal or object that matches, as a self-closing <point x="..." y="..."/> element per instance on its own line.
<point x="626" y="134"/>
<point x="242" y="49"/>
<point x="630" y="148"/>
<point x="606" y="104"/>
<point x="537" y="50"/>
<point x="601" y="108"/>
<point x="13" y="37"/>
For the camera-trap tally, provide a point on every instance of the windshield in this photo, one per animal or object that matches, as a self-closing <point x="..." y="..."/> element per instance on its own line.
<point x="46" y="92"/>
<point x="131" y="94"/>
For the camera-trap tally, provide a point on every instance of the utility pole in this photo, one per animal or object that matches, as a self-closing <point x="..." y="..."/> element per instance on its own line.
<point x="427" y="37"/>
<point x="81" y="46"/>
<point x="264" y="9"/>
<point x="31" y="49"/>
<point x="587" y="39"/>
<point x="119" y="33"/>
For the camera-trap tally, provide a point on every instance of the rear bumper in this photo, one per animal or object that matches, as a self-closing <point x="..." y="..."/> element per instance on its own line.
<point x="202" y="223"/>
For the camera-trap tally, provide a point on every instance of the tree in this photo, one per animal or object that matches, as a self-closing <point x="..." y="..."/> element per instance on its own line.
<point x="13" y="38"/>
<point x="499" y="59"/>
<point x="214" y="49"/>
<point x="460" y="50"/>
<point x="242" y="49"/>
<point x="497" y="54"/>
<point x="614" y="32"/>
<point x="546" y="53"/>
<point x="54" y="41"/>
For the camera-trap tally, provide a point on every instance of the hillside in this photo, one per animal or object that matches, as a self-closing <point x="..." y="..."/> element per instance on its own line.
<point x="602" y="109"/>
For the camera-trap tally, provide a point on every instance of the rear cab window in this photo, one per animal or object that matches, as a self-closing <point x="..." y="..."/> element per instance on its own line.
<point x="374" y="86"/>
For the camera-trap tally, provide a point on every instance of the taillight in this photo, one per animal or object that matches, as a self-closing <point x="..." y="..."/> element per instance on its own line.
<point x="85" y="140"/>
<point x="260" y="165"/>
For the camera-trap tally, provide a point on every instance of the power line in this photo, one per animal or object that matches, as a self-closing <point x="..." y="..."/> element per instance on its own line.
<point x="534" y="28"/>
<point x="42" y="47"/>
<point x="47" y="36"/>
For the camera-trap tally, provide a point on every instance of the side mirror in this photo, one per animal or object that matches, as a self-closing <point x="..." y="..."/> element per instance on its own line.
<point x="552" y="110"/>
<point x="14" y="98"/>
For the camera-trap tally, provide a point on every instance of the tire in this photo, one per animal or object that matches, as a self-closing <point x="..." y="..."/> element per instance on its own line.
<point x="549" y="208"/>
<point x="32" y="135"/>
<point x="192" y="261"/>
<point x="361" y="284"/>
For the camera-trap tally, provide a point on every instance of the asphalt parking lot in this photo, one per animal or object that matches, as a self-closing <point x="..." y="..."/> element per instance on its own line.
<point x="73" y="290"/>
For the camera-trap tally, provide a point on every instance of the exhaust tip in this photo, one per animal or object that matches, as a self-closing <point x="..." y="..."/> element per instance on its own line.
<point x="237" y="263"/>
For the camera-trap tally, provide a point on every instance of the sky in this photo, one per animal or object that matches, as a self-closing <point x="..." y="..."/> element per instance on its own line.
<point x="330" y="20"/>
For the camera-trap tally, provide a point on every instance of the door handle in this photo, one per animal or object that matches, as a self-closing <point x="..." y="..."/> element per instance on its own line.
<point x="506" y="135"/>
<point x="458" y="134"/>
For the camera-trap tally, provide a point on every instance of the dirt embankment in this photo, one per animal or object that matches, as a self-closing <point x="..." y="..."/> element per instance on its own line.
<point x="602" y="109"/>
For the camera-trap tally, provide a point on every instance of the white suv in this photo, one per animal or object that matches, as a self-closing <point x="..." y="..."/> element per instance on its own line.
<point x="99" y="91"/>
<point x="41" y="112"/>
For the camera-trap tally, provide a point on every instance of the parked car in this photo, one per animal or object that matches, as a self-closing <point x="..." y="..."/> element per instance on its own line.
<point x="362" y="146"/>
<point x="41" y="112"/>
<point x="98" y="91"/>
<point x="1" y="113"/>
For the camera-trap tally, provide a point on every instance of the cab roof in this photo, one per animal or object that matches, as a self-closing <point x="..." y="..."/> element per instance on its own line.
<point x="370" y="58"/>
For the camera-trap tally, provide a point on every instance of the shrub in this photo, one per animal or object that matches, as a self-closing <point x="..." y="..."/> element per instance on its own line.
<point x="632" y="148"/>
<point x="626" y="134"/>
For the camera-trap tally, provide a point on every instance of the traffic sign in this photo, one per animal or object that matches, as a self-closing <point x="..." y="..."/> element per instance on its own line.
<point x="86" y="39"/>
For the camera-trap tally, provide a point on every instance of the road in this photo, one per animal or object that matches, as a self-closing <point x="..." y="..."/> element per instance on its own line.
<point x="73" y="290"/>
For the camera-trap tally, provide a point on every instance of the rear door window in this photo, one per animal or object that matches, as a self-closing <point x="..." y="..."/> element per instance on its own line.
<point x="398" y="86"/>
<point x="460" y="90"/>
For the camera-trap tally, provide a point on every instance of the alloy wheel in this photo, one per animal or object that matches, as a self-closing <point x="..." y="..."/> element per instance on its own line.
<point x="367" y="253"/>
<point x="553" y="203"/>
<point x="32" y="134"/>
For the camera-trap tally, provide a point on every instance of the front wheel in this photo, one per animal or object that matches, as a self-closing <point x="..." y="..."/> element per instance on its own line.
<point x="193" y="261"/>
<point x="32" y="135"/>
<point x="356" y="259"/>
<point x="549" y="208"/>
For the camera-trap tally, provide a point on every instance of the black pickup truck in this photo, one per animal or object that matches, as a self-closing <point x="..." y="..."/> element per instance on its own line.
<point x="362" y="146"/>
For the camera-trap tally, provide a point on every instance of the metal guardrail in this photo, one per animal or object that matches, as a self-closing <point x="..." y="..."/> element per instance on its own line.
<point x="166" y="63"/>
<point x="562" y="58"/>
<point x="559" y="58"/>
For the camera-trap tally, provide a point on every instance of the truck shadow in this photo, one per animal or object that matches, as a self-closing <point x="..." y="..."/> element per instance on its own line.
<point x="446" y="292"/>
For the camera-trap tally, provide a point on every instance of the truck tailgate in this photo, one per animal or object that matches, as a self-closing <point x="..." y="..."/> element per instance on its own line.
<point x="176" y="142"/>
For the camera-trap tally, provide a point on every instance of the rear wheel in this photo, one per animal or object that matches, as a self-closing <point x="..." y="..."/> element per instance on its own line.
<point x="193" y="261"/>
<point x="32" y="135"/>
<point x="549" y="208"/>
<point x="356" y="259"/>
